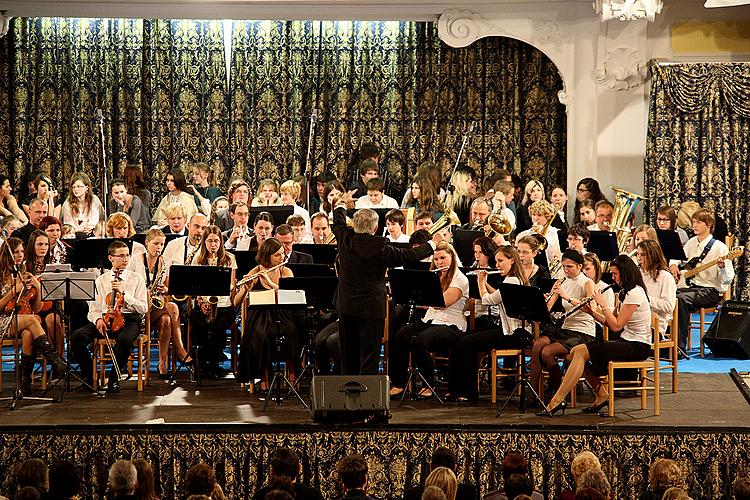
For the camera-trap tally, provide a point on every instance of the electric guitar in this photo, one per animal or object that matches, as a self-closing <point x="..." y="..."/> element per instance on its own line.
<point x="693" y="267"/>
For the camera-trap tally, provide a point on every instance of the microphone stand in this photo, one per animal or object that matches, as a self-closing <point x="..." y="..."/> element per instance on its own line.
<point x="308" y="158"/>
<point x="17" y="393"/>
<point x="105" y="187"/>
<point x="451" y="188"/>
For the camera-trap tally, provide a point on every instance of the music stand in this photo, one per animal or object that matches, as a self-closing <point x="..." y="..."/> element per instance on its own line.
<point x="418" y="266"/>
<point x="671" y="245"/>
<point x="321" y="254"/>
<point x="319" y="291"/>
<point x="71" y="286"/>
<point x="245" y="260"/>
<point x="210" y="281"/>
<point x="279" y="213"/>
<point x="526" y="303"/>
<point x="604" y="245"/>
<point x="282" y="301"/>
<point x="416" y="288"/>
<point x="93" y="252"/>
<point x="141" y="237"/>
<point x="310" y="270"/>
<point x="493" y="280"/>
<point x="463" y="242"/>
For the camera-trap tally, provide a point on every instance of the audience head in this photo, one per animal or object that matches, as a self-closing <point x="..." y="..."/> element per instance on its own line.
<point x="445" y="479"/>
<point x="123" y="478"/>
<point x="464" y="182"/>
<point x="267" y="191"/>
<point x="279" y="494"/>
<point x="37" y="211"/>
<point x="433" y="493"/>
<point x="27" y="493"/>
<point x="289" y="192"/>
<point x="589" y="493"/>
<point x="741" y="487"/>
<point x="64" y="480"/>
<point x="201" y="173"/>
<point x="145" y="489"/>
<point x="134" y="181"/>
<point x="321" y="181"/>
<point x="664" y="474"/>
<point x="514" y="463"/>
<point x="285" y="463"/>
<point x="200" y="480"/>
<point x="443" y="457"/>
<point x="369" y="151"/>
<point x="175" y="180"/>
<point x="517" y="484"/>
<point x="9" y="224"/>
<point x="368" y="169"/>
<point x="33" y="472"/>
<point x="583" y="462"/>
<point x="353" y="472"/>
<point x="594" y="478"/>
<point x="675" y="494"/>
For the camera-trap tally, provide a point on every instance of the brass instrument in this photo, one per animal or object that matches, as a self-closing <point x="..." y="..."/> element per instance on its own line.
<point x="449" y="218"/>
<point x="499" y="224"/>
<point x="213" y="302"/>
<point x="543" y="243"/>
<point x="555" y="265"/>
<point x="625" y="203"/>
<point x="157" y="299"/>
<point x="330" y="239"/>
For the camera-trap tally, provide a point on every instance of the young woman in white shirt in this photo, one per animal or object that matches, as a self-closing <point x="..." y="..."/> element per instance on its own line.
<point x="177" y="192"/>
<point x="578" y="328"/>
<point x="660" y="285"/>
<point x="633" y="318"/>
<point x="541" y="212"/>
<point x="463" y="366"/>
<point x="83" y="209"/>
<point x="528" y="249"/>
<point x="440" y="329"/>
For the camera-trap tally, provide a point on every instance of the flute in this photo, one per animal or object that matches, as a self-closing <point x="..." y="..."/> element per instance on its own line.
<point x="253" y="276"/>
<point x="473" y="273"/>
<point x="439" y="269"/>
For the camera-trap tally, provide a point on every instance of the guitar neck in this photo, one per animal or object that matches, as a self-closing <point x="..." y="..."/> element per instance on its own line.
<point x="699" y="269"/>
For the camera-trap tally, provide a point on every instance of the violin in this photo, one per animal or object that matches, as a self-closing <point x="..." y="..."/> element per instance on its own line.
<point x="22" y="303"/>
<point x="113" y="318"/>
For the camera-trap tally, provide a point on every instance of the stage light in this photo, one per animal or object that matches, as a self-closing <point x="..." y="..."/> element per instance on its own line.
<point x="4" y="23"/>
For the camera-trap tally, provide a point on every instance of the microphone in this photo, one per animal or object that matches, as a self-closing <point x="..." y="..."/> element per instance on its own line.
<point x="314" y="115"/>
<point x="472" y="124"/>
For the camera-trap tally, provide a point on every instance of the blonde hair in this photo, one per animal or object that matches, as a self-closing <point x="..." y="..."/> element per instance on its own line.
<point x="120" y="220"/>
<point x="543" y="208"/>
<point x="445" y="479"/>
<point x="527" y="190"/>
<point x="460" y="181"/>
<point x="665" y="473"/>
<point x="685" y="214"/>
<point x="583" y="462"/>
<point x="291" y="187"/>
<point x="175" y="210"/>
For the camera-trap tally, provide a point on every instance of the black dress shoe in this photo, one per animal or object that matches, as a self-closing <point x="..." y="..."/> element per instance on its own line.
<point x="596" y="408"/>
<point x="113" y="387"/>
<point x="549" y="413"/>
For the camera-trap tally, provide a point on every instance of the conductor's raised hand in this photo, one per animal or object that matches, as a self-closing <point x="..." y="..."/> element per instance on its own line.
<point x="347" y="197"/>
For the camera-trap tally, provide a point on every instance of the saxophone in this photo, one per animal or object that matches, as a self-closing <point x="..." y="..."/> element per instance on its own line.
<point x="157" y="299"/>
<point x="213" y="301"/>
<point x="188" y="261"/>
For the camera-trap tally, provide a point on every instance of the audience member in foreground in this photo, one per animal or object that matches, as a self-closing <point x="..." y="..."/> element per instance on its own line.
<point x="285" y="469"/>
<point x="123" y="479"/>
<point x="201" y="480"/>
<point x="353" y="474"/>
<point x="663" y="474"/>
<point x="513" y="463"/>
<point x="443" y="457"/>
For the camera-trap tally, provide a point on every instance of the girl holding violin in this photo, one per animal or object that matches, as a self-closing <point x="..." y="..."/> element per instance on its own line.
<point x="153" y="267"/>
<point x="21" y="292"/>
<point x="260" y="325"/>
<point x="214" y="315"/>
<point x="119" y="304"/>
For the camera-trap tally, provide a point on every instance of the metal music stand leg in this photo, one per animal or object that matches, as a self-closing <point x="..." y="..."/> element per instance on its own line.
<point x="70" y="373"/>
<point x="308" y="352"/>
<point x="524" y="384"/>
<point x="278" y="375"/>
<point x="414" y="373"/>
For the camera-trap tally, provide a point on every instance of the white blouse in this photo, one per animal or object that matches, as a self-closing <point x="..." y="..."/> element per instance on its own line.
<point x="579" y="321"/>
<point x="89" y="219"/>
<point x="453" y="314"/>
<point x="496" y="299"/>
<point x="662" y="295"/>
<point x="638" y="329"/>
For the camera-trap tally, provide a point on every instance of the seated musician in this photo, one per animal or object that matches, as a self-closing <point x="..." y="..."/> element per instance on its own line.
<point x="440" y="329"/>
<point x="660" y="285"/>
<point x="240" y="236"/>
<point x="592" y="359"/>
<point x="262" y="230"/>
<point x="394" y="223"/>
<point x="559" y="199"/>
<point x="153" y="268"/>
<point x="211" y="317"/>
<point x="58" y="247"/>
<point x="541" y="213"/>
<point x="578" y="328"/>
<point x="176" y="218"/>
<point x="603" y="216"/>
<point x="666" y="220"/>
<point x="183" y="251"/>
<point x="131" y="289"/>
<point x="578" y="237"/>
<point x="463" y="364"/>
<point x="321" y="231"/>
<point x="707" y="286"/>
<point x="285" y="235"/>
<point x="260" y="328"/>
<point x="120" y="225"/>
<point x="423" y="220"/>
<point x="301" y="230"/>
<point x="528" y="249"/>
<point x="503" y="198"/>
<point x="33" y="338"/>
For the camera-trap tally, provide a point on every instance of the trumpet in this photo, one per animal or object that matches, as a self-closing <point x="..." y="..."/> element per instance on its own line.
<point x="254" y="276"/>
<point x="543" y="244"/>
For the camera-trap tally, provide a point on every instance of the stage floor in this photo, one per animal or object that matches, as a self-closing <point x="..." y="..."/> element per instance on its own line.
<point x="704" y="401"/>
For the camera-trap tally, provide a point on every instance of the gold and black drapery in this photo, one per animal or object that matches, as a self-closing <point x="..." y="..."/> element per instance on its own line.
<point x="170" y="98"/>
<point x="396" y="83"/>
<point x="698" y="144"/>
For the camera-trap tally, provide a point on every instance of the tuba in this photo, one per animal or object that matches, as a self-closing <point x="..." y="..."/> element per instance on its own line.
<point x="625" y="203"/>
<point x="449" y="218"/>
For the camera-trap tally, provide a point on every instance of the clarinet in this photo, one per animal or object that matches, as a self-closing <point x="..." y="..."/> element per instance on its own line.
<point x="578" y="307"/>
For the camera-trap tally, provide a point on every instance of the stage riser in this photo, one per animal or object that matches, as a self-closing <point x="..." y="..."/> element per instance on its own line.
<point x="396" y="457"/>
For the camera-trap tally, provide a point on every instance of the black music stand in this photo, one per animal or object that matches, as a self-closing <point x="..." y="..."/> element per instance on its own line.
<point x="310" y="270"/>
<point x="278" y="374"/>
<point x="463" y="242"/>
<point x="526" y="303"/>
<point x="141" y="237"/>
<point x="319" y="291"/>
<point x="279" y="213"/>
<point x="93" y="252"/>
<point x="210" y="281"/>
<point x="321" y="254"/>
<point x="604" y="245"/>
<point x="245" y="260"/>
<point x="68" y="286"/>
<point x="671" y="245"/>
<point x="416" y="288"/>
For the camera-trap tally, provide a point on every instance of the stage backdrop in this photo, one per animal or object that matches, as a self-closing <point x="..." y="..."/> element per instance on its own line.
<point x="178" y="92"/>
<point x="699" y="145"/>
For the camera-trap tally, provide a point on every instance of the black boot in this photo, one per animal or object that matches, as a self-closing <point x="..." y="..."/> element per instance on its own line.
<point x="27" y="368"/>
<point x="43" y="347"/>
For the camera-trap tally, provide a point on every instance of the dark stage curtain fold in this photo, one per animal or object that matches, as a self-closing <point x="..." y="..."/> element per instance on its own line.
<point x="171" y="98"/>
<point x="698" y="145"/>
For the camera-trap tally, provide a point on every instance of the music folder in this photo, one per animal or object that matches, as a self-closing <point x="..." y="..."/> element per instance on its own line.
<point x="276" y="297"/>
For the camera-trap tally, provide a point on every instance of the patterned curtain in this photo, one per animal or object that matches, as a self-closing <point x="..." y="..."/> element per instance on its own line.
<point x="168" y="101"/>
<point x="160" y="84"/>
<point x="395" y="83"/>
<point x="699" y="145"/>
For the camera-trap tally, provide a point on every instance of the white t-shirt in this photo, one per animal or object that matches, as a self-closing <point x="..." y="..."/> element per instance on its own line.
<point x="638" y="329"/>
<point x="579" y="321"/>
<point x="662" y="295"/>
<point x="401" y="239"/>
<point x="454" y="314"/>
<point x="495" y="299"/>
<point x="609" y="295"/>
<point x="386" y="202"/>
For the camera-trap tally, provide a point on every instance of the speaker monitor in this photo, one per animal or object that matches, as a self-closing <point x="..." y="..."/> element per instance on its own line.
<point x="729" y="333"/>
<point x="351" y="398"/>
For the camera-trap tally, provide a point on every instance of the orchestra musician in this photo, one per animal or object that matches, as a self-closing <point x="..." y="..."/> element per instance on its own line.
<point x="131" y="289"/>
<point x="285" y="236"/>
<point x="262" y="230"/>
<point x="633" y="319"/>
<point x="666" y="220"/>
<point x="528" y="249"/>
<point x="239" y="237"/>
<point x="587" y="190"/>
<point x="120" y="225"/>
<point x="360" y="296"/>
<point x="532" y="192"/>
<point x="578" y="237"/>
<point x="153" y="268"/>
<point x="578" y="328"/>
<point x="441" y="328"/>
<point x="15" y="287"/>
<point x="182" y="251"/>
<point x="260" y="328"/>
<point x="212" y="317"/>
<point x="176" y="218"/>
<point x="321" y="232"/>
<point x="301" y="230"/>
<point x="463" y="364"/>
<point x="603" y="216"/>
<point x="709" y="285"/>
<point x="541" y="213"/>
<point x="423" y="220"/>
<point x="37" y="212"/>
<point x="660" y="285"/>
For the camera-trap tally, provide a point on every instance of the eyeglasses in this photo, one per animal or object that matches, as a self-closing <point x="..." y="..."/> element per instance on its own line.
<point x="121" y="255"/>
<point x="662" y="219"/>
<point x="579" y="190"/>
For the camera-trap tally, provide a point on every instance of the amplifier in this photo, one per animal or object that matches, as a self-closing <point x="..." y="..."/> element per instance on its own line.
<point x="351" y="398"/>
<point x="729" y="333"/>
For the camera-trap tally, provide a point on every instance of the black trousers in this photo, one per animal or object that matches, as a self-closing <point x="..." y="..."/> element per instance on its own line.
<point x="82" y="338"/>
<point x="359" y="343"/>
<point x="690" y="300"/>
<point x="210" y="338"/>
<point x="327" y="350"/>
<point x="428" y="338"/>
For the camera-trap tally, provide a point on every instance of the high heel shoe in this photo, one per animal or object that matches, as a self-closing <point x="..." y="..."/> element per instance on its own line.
<point x="185" y="362"/>
<point x="165" y="376"/>
<point x="549" y="413"/>
<point x="596" y="408"/>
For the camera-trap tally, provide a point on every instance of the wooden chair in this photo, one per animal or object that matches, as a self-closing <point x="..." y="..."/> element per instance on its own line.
<point x="669" y="342"/>
<point x="643" y="367"/>
<point x="703" y="311"/>
<point x="141" y="358"/>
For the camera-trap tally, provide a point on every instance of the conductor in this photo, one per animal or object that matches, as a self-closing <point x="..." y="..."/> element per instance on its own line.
<point x="360" y="296"/>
